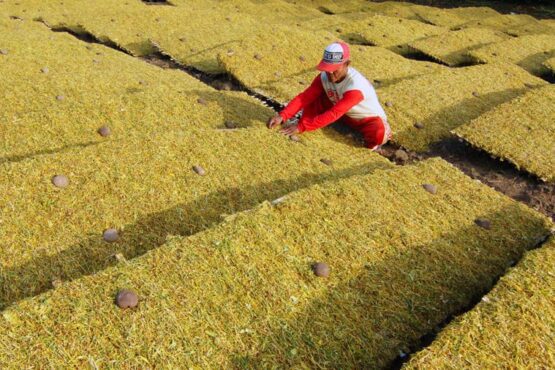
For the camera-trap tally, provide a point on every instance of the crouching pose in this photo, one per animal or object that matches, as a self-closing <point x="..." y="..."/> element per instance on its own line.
<point x="338" y="92"/>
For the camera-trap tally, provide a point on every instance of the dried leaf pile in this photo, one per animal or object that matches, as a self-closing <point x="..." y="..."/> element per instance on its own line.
<point x="450" y="98"/>
<point x="521" y="130"/>
<point x="512" y="326"/>
<point x="244" y="293"/>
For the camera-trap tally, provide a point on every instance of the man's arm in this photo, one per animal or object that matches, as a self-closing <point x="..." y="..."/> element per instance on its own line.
<point x="303" y="99"/>
<point x="349" y="100"/>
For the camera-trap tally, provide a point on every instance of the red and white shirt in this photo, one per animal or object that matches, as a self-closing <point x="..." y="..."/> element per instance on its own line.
<point x="354" y="96"/>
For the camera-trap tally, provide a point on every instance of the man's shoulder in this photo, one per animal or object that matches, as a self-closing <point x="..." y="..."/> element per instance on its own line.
<point x="357" y="78"/>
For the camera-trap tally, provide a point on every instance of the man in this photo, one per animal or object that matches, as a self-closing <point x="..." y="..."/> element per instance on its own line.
<point x="339" y="91"/>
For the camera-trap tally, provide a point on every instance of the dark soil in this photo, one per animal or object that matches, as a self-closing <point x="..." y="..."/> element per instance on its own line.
<point x="538" y="9"/>
<point x="502" y="176"/>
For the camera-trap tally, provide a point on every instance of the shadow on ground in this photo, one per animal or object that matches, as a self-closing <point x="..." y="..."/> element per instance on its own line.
<point x="396" y="302"/>
<point x="93" y="254"/>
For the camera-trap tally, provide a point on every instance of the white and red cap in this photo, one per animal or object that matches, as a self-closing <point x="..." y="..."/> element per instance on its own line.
<point x="335" y="55"/>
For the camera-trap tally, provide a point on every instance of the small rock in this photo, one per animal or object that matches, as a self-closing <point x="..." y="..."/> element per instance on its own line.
<point x="484" y="223"/>
<point x="528" y="85"/>
<point x="377" y="82"/>
<point x="432" y="189"/>
<point x="44" y="70"/>
<point x="401" y="155"/>
<point x="3" y="52"/>
<point x="199" y="170"/>
<point x="56" y="283"/>
<point x="202" y="101"/>
<point x="104" y="131"/>
<point x="388" y="104"/>
<point x="230" y="52"/>
<point x="295" y="138"/>
<point x="60" y="97"/>
<point x="277" y="75"/>
<point x="60" y="181"/>
<point x="96" y="61"/>
<point x="475" y="93"/>
<point x="339" y="30"/>
<point x="182" y="39"/>
<point x="419" y="125"/>
<point x="327" y="162"/>
<point x="127" y="299"/>
<point x="120" y="257"/>
<point x="110" y="235"/>
<point x="141" y="82"/>
<point x="230" y="124"/>
<point x="302" y="58"/>
<point x="257" y="56"/>
<point x="228" y="18"/>
<point x="223" y="85"/>
<point x="321" y="269"/>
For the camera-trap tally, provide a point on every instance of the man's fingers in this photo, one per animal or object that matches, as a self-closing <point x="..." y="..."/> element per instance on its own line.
<point x="288" y="130"/>
<point x="273" y="122"/>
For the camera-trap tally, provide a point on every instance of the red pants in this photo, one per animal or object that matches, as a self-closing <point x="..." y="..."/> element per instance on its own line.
<point x="374" y="130"/>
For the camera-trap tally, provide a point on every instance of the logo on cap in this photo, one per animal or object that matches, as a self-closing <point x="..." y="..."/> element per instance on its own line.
<point x="333" y="57"/>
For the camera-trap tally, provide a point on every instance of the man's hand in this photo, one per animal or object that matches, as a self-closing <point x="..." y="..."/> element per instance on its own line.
<point x="290" y="130"/>
<point x="275" y="121"/>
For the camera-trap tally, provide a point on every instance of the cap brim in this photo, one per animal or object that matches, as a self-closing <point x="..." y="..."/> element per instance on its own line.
<point x="328" y="67"/>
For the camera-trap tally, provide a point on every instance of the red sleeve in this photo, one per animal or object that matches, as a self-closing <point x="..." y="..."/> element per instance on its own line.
<point x="303" y="99"/>
<point x="349" y="100"/>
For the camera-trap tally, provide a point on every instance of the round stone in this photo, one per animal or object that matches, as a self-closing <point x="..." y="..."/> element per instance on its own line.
<point x="60" y="181"/>
<point x="202" y="101"/>
<point x="127" y="299"/>
<point x="199" y="170"/>
<point x="222" y="85"/>
<point x="419" y="125"/>
<point x="3" y="52"/>
<point x="44" y="70"/>
<point x="104" y="131"/>
<point x="110" y="235"/>
<point x="483" y="223"/>
<point x="388" y="104"/>
<point x="56" y="283"/>
<point x="327" y="162"/>
<point x="295" y="138"/>
<point x="321" y="269"/>
<point x="401" y="155"/>
<point x="230" y="124"/>
<point x="432" y="189"/>
<point x="60" y="97"/>
<point x="475" y="93"/>
<point x="257" y="56"/>
<point x="302" y="58"/>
